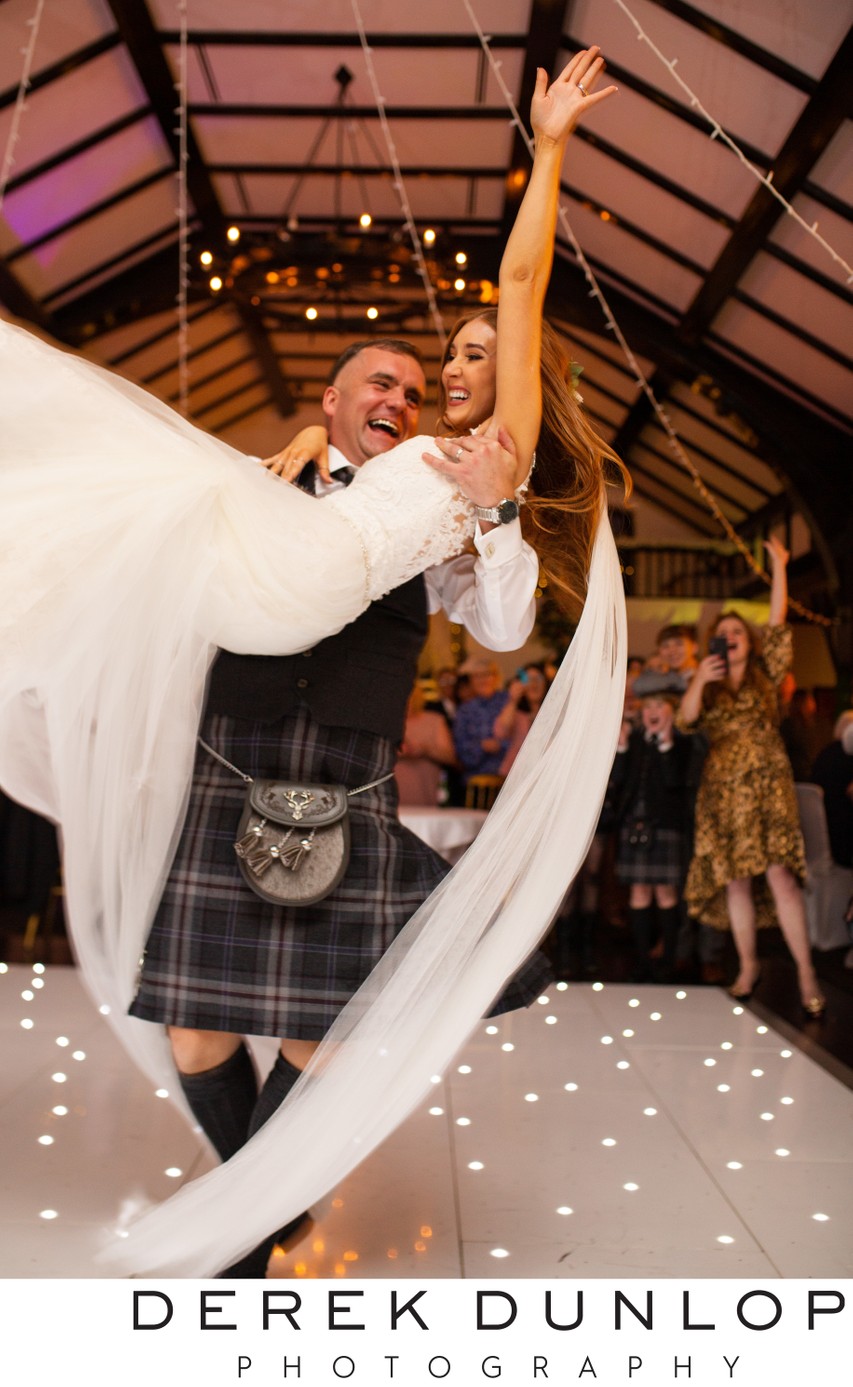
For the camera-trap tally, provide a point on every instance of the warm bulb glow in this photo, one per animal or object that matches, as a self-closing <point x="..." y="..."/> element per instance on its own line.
<point x="373" y="312"/>
<point x="233" y="233"/>
<point x="459" y="284"/>
<point x="311" y="314"/>
<point x="365" y="220"/>
<point x="206" y="258"/>
<point x="461" y="258"/>
<point x="216" y="284"/>
<point x="429" y="237"/>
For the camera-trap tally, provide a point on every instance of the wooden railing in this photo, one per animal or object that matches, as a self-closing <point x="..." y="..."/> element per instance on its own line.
<point x="705" y="570"/>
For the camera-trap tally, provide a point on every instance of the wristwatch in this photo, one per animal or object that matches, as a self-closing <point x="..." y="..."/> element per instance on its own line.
<point x="501" y="514"/>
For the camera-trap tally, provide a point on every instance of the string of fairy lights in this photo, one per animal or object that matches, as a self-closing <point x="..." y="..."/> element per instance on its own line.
<point x="182" y="89"/>
<point x="399" y="182"/>
<point x="717" y="131"/>
<point x="28" y="53"/>
<point x="612" y="326"/>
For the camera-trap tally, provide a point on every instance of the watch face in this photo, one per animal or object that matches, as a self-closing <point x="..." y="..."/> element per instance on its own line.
<point x="507" y="511"/>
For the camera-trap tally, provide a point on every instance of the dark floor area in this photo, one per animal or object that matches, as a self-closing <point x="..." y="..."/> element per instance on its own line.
<point x="829" y="1041"/>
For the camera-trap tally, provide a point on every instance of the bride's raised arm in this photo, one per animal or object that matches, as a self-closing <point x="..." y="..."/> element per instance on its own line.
<point x="526" y="263"/>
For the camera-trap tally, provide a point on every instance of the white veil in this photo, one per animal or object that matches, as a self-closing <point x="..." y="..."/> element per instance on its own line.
<point x="437" y="979"/>
<point x="104" y="648"/>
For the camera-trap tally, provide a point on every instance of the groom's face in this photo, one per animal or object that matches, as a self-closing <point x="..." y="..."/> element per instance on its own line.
<point x="374" y="404"/>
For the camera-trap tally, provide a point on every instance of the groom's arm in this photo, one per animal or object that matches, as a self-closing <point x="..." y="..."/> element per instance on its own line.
<point x="490" y="593"/>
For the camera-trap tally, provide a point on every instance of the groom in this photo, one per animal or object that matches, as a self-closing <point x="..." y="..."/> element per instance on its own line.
<point x="333" y="712"/>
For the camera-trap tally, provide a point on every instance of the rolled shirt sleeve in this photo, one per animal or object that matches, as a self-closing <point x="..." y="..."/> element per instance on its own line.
<point x="490" y="593"/>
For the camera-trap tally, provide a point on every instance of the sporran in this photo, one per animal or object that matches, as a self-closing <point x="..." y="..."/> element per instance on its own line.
<point x="293" y="839"/>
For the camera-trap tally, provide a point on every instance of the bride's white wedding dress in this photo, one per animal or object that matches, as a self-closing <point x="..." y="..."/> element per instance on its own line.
<point x="132" y="545"/>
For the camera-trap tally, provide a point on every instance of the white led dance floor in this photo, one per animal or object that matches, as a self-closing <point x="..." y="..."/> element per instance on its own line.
<point x="608" y="1131"/>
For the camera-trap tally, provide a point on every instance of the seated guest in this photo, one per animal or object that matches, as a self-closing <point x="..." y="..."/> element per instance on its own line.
<point x="450" y="693"/>
<point x="479" y="751"/>
<point x="426" y="748"/>
<point x="445" y="701"/>
<point x="833" y="772"/>
<point x="524" y="699"/>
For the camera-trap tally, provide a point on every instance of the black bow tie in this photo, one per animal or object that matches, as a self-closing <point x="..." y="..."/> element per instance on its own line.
<point x="308" y="477"/>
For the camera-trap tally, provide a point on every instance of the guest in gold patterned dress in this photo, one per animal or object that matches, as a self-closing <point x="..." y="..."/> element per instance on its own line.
<point x="748" y="851"/>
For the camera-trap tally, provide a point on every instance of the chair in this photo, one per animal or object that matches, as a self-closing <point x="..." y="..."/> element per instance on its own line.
<point x="481" y="791"/>
<point x="828" y="886"/>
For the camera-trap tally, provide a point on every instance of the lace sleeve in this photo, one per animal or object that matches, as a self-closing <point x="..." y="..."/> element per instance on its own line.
<point x="408" y="517"/>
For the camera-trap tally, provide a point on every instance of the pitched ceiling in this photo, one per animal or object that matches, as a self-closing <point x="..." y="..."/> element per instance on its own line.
<point x="739" y="318"/>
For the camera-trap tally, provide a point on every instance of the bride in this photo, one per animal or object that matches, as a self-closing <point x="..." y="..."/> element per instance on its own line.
<point x="132" y="546"/>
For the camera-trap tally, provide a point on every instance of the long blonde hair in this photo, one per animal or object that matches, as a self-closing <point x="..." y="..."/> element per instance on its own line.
<point x="573" y="463"/>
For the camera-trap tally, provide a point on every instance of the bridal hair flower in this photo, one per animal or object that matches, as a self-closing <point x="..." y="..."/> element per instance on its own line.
<point x="576" y="371"/>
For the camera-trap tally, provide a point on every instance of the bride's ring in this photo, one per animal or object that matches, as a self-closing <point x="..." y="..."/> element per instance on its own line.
<point x="459" y="452"/>
<point x="582" y="89"/>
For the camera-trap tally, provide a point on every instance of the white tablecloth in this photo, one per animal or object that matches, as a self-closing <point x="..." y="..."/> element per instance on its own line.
<point x="448" y="831"/>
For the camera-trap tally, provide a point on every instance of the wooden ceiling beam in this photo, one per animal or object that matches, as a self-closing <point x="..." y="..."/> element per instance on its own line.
<point x="66" y="65"/>
<point x="548" y="18"/>
<point x="289" y="38"/>
<point x="738" y="43"/>
<point x="21" y="303"/>
<point x="826" y="111"/>
<point x="144" y="46"/>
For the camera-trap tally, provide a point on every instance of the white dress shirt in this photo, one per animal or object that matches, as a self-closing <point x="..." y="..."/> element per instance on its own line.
<point x="490" y="593"/>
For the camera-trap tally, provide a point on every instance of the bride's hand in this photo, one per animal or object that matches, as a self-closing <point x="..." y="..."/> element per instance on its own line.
<point x="311" y="444"/>
<point x="556" y="109"/>
<point x="484" y="469"/>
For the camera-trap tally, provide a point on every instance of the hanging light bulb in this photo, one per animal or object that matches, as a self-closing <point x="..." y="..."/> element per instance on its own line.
<point x="215" y="284"/>
<point x="461" y="258"/>
<point x="233" y="233"/>
<point x="373" y="312"/>
<point x="459" y="284"/>
<point x="311" y="314"/>
<point x="206" y="257"/>
<point x="429" y="237"/>
<point x="365" y="220"/>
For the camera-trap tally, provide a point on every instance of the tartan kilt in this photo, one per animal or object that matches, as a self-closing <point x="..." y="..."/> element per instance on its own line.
<point x="219" y="958"/>
<point x="663" y="863"/>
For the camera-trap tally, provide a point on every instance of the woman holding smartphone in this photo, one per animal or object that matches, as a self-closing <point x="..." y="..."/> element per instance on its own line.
<point x="748" y="855"/>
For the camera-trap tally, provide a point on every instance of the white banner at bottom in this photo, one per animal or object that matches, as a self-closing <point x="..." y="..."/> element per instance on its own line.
<point x="642" y="1333"/>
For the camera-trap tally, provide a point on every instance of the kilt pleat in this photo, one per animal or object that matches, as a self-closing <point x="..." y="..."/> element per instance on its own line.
<point x="663" y="863"/>
<point x="220" y="958"/>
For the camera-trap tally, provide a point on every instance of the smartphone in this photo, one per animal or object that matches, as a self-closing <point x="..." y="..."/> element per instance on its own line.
<point x="719" y="646"/>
